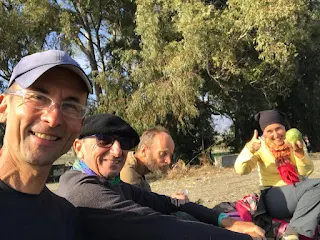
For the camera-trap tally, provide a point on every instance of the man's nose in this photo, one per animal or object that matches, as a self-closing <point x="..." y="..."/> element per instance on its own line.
<point x="168" y="160"/>
<point x="52" y="115"/>
<point x="116" y="149"/>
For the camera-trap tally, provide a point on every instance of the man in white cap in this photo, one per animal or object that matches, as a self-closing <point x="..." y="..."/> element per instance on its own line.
<point x="44" y="109"/>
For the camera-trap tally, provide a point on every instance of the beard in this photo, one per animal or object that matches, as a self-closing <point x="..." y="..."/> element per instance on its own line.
<point x="164" y="169"/>
<point x="153" y="166"/>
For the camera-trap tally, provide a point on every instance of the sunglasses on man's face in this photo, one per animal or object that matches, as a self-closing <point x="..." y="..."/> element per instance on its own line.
<point x="106" y="141"/>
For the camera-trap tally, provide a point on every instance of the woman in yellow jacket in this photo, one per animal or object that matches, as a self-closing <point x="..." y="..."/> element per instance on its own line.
<point x="283" y="170"/>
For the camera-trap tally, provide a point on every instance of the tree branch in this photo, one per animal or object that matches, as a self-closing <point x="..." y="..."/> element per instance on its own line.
<point x="98" y="44"/>
<point x="7" y="6"/>
<point x="88" y="39"/>
<point x="4" y="77"/>
<point x="213" y="78"/>
<point x="80" y="44"/>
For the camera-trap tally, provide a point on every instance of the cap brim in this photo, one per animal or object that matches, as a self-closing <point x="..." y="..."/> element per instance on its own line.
<point x="28" y="78"/>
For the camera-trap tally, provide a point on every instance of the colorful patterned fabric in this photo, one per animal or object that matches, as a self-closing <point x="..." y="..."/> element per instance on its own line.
<point x="81" y="166"/>
<point x="286" y="169"/>
<point x="241" y="209"/>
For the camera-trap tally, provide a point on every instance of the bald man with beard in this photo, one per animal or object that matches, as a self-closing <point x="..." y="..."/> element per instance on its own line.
<point x="154" y="153"/>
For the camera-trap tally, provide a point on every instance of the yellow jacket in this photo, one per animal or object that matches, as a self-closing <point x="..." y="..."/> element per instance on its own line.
<point x="268" y="172"/>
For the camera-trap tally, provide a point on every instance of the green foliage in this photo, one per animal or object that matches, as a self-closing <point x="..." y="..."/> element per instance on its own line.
<point x="98" y="29"/>
<point x="24" y="28"/>
<point x="175" y="63"/>
<point x="302" y="104"/>
<point x="241" y="59"/>
<point x="195" y="57"/>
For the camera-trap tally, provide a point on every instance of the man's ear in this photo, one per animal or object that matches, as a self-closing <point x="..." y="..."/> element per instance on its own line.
<point x="77" y="146"/>
<point x="3" y="108"/>
<point x="143" y="149"/>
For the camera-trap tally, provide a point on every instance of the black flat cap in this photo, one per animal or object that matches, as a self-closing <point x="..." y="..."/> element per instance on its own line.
<point x="109" y="124"/>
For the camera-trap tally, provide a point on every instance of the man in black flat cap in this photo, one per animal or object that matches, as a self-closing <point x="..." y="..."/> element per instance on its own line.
<point x="112" y="209"/>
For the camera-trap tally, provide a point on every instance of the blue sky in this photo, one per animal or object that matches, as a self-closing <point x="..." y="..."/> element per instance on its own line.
<point x="222" y="123"/>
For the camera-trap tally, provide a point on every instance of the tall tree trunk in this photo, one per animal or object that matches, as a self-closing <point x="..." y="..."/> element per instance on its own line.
<point x="93" y="65"/>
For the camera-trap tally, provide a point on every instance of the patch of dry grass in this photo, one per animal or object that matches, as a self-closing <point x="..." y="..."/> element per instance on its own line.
<point x="191" y="171"/>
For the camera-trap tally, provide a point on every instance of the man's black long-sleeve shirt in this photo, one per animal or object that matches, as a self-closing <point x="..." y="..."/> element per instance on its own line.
<point x="122" y="211"/>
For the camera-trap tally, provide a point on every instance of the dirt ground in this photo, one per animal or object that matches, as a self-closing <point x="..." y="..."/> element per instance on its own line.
<point x="210" y="185"/>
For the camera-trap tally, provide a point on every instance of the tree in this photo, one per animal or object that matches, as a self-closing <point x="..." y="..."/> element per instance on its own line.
<point x="175" y="63"/>
<point x="98" y="29"/>
<point x="25" y="26"/>
<point x="241" y="56"/>
<point x="302" y="104"/>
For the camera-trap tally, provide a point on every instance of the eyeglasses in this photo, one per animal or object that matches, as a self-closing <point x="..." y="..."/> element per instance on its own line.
<point x="39" y="100"/>
<point x="106" y="141"/>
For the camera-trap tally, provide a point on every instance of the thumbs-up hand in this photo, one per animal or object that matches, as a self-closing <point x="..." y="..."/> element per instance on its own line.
<point x="255" y="143"/>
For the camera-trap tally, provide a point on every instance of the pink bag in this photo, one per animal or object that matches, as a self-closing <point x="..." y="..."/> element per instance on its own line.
<point x="247" y="206"/>
<point x="243" y="212"/>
